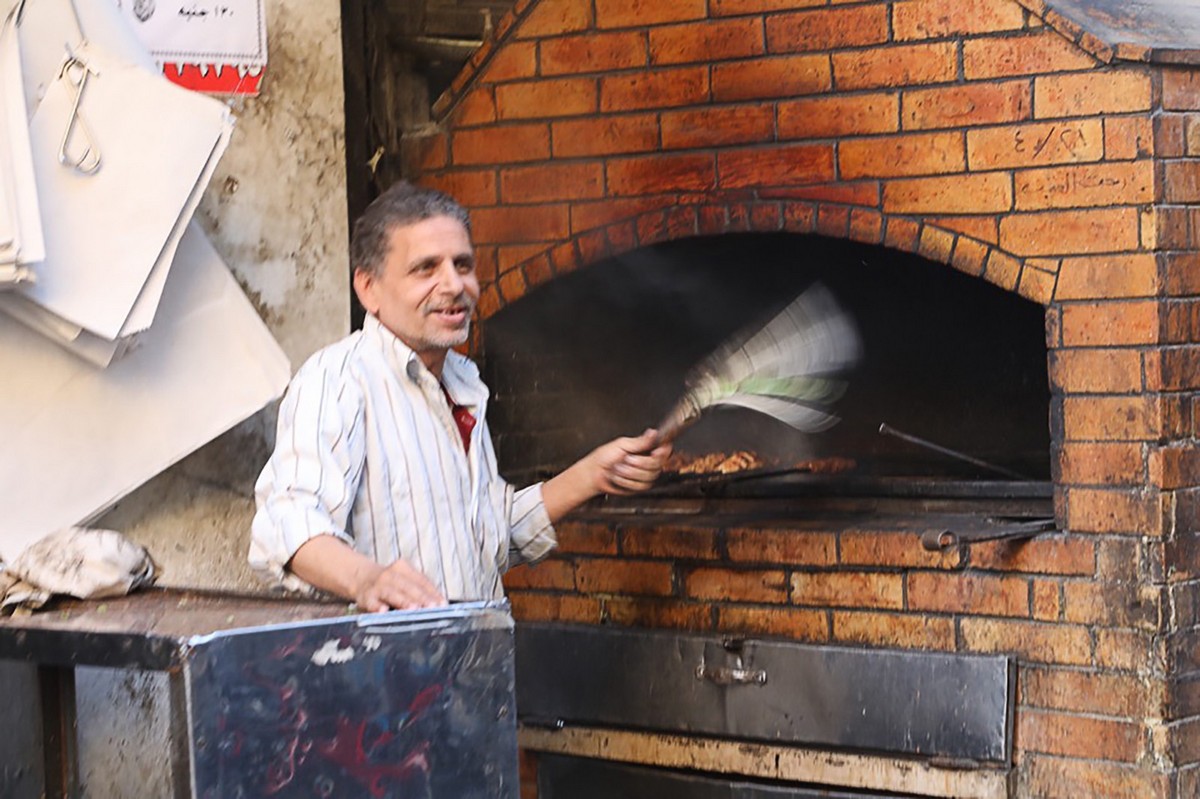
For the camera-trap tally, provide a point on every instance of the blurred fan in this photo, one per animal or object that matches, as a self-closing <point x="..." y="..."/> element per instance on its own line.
<point x="789" y="369"/>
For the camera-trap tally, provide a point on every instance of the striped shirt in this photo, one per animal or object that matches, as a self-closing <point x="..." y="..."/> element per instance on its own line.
<point x="367" y="450"/>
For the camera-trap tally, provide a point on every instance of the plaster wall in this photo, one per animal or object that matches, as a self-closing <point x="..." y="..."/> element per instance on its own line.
<point x="276" y="212"/>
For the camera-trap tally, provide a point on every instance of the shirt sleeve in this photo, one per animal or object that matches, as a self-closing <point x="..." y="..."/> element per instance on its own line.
<point x="308" y="485"/>
<point x="531" y="533"/>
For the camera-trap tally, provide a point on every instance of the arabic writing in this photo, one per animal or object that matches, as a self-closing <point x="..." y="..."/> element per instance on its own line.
<point x="203" y="11"/>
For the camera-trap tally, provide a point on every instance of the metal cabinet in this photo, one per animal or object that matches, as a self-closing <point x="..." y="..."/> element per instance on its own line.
<point x="294" y="698"/>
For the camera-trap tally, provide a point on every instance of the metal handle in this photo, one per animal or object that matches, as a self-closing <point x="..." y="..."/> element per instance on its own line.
<point x="725" y="675"/>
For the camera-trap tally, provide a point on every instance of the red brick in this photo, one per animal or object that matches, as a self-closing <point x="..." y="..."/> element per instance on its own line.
<point x="935" y="244"/>
<point x="516" y="224"/>
<point x="907" y="631"/>
<point x="1181" y="182"/>
<point x="895" y="156"/>
<point x="654" y="174"/>
<point x="982" y="595"/>
<point x="1127" y="138"/>
<point x="715" y="127"/>
<point x="1070" y="232"/>
<point x="1169" y="135"/>
<point x="833" y="221"/>
<point x="1129" y="183"/>
<point x="1122" y="510"/>
<point x="982" y="193"/>
<point x="737" y="586"/>
<point x="551" y="97"/>
<point x="1087" y="692"/>
<point x="1096" y="371"/>
<point x="1025" y="54"/>
<point x="513" y="61"/>
<point x="1108" y="276"/>
<point x="1102" y="464"/>
<point x="556" y="18"/>
<point x="605" y="135"/>
<point x="478" y="107"/>
<point x="866" y="226"/>
<point x="586" y="216"/>
<point x="781" y="547"/>
<point x="1033" y="641"/>
<point x="666" y="88"/>
<point x="1002" y="270"/>
<point x="794" y="623"/>
<point x="623" y="577"/>
<point x="1087" y="93"/>
<point x="1053" y="777"/>
<point x="1046" y="600"/>
<point x="1110" y="323"/>
<point x="631" y="13"/>
<point x="662" y="541"/>
<point x="832" y="117"/>
<point x="865" y="192"/>
<point x="785" y="76"/>
<point x="781" y="165"/>
<point x="902" y="234"/>
<point x="593" y="52"/>
<point x="502" y="144"/>
<point x="1127" y="650"/>
<point x="848" y="589"/>
<point x="549" y="574"/>
<point x="552" y="182"/>
<point x="508" y="257"/>
<point x="827" y="29"/>
<point x="937" y="19"/>
<point x="1111" y="604"/>
<point x="512" y="285"/>
<point x="1041" y="144"/>
<point x="582" y="538"/>
<point x="982" y="228"/>
<point x="658" y="613"/>
<point x="1180" y="89"/>
<point x="538" y="270"/>
<point x="470" y="187"/>
<point x="1182" y="274"/>
<point x="1111" y="418"/>
<point x="969" y="256"/>
<point x="706" y="41"/>
<point x="1036" y="284"/>
<point x="971" y="104"/>
<point x="907" y="65"/>
<point x="1078" y="736"/>
<point x="721" y="8"/>
<point x="528" y="606"/>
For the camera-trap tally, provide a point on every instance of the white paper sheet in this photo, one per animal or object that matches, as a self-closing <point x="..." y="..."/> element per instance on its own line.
<point x="105" y="231"/>
<point x="77" y="438"/>
<point x="23" y="235"/>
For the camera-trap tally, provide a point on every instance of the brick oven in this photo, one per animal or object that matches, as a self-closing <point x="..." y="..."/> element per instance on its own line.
<point x="1031" y="161"/>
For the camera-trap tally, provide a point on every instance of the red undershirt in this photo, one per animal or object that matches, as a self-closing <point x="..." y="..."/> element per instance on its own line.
<point x="462" y="418"/>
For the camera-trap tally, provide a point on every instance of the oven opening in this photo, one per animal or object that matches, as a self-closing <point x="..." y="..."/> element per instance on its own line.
<point x="949" y="402"/>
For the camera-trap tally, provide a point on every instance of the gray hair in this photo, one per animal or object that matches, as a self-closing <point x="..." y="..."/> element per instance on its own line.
<point x="402" y="204"/>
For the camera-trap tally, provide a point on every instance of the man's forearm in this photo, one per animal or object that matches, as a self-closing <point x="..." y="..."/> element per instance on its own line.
<point x="330" y="564"/>
<point x="567" y="490"/>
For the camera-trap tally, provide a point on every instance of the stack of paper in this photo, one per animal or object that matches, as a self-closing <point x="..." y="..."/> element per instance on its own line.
<point x="111" y="159"/>
<point x="21" y="242"/>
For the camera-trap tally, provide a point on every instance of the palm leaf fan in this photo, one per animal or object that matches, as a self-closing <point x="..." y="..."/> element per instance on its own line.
<point x="788" y="369"/>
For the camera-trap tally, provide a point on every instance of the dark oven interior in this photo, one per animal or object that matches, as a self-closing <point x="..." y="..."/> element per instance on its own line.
<point x="947" y="359"/>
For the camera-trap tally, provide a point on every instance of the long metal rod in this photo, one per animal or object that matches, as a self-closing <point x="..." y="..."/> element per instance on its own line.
<point x="888" y="430"/>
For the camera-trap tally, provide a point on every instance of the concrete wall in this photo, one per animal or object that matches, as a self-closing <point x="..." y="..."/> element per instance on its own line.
<point x="276" y="211"/>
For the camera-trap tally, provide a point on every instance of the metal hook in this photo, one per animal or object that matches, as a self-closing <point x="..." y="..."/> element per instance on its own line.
<point x="75" y="70"/>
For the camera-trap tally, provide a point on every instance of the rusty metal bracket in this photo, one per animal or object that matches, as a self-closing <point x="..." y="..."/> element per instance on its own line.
<point x="992" y="529"/>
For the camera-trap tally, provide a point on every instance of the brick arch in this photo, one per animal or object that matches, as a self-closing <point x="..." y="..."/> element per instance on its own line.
<point x="1032" y="278"/>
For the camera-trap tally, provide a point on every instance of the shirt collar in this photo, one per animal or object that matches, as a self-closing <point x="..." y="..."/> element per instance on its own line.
<point x="460" y="375"/>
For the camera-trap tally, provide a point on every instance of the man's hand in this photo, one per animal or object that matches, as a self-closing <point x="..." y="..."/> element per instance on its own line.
<point x="330" y="564"/>
<point x="396" y="587"/>
<point x="627" y="465"/>
<point x="622" y="466"/>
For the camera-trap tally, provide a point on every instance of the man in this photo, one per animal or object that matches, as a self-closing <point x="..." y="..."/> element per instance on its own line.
<point x="383" y="487"/>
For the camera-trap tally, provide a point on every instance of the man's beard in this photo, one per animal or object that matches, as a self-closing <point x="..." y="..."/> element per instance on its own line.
<point x="451" y="338"/>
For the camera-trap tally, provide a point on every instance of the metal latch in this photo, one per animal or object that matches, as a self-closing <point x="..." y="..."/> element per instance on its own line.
<point x="731" y="675"/>
<point x="992" y="530"/>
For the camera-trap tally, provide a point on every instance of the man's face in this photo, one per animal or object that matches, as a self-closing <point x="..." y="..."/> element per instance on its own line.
<point x="427" y="289"/>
